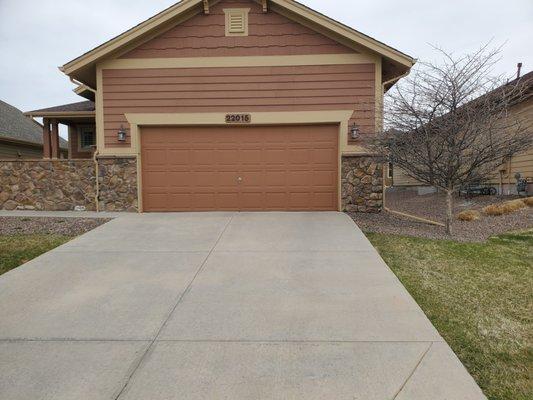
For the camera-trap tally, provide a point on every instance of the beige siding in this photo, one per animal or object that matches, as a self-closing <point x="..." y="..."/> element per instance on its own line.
<point x="522" y="162"/>
<point x="11" y="150"/>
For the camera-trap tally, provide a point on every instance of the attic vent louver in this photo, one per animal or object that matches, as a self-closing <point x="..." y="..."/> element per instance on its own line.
<point x="237" y="21"/>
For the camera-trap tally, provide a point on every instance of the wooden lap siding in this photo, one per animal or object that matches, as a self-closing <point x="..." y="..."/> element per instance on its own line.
<point x="259" y="89"/>
<point x="269" y="34"/>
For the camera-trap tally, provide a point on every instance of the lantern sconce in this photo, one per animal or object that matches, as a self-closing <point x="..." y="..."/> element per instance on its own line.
<point x="121" y="135"/>
<point x="354" y="132"/>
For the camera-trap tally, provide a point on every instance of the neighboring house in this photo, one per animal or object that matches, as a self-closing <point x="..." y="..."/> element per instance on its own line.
<point x="233" y="105"/>
<point x="504" y="178"/>
<point x="20" y="136"/>
<point x="79" y="117"/>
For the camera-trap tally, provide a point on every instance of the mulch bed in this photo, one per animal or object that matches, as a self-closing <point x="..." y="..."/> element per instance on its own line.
<point x="433" y="207"/>
<point x="46" y="225"/>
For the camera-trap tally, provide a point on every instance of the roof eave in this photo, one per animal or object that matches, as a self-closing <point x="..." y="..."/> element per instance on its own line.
<point x="59" y="114"/>
<point x="131" y="34"/>
<point x="84" y="61"/>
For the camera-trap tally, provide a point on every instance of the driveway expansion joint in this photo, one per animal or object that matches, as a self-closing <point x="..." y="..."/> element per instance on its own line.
<point x="413" y="371"/>
<point x="149" y="348"/>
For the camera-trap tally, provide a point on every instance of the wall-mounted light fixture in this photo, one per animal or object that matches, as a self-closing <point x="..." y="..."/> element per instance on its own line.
<point x="354" y="131"/>
<point x="121" y="135"/>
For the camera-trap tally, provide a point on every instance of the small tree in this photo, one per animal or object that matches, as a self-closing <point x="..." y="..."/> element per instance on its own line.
<point x="448" y="124"/>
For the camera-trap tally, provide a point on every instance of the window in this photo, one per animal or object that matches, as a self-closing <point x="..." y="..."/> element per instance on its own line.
<point x="87" y="138"/>
<point x="237" y="21"/>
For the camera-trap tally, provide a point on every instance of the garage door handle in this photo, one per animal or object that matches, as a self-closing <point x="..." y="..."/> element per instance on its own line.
<point x="239" y="179"/>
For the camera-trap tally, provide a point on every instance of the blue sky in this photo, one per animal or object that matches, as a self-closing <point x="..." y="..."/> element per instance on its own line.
<point x="36" y="36"/>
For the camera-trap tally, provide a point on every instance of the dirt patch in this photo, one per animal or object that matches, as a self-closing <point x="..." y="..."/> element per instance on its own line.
<point x="45" y="225"/>
<point x="432" y="206"/>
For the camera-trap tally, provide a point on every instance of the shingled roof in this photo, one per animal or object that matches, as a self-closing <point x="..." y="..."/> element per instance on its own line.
<point x="82" y="106"/>
<point x="14" y="125"/>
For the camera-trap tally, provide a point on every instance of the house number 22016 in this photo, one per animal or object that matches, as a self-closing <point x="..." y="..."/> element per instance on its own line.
<point x="238" y="118"/>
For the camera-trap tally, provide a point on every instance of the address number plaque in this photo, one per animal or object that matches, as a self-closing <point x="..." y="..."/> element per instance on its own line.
<point x="238" y="118"/>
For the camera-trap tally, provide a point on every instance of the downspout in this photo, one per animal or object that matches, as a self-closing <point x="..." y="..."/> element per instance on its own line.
<point x="402" y="214"/>
<point x="97" y="182"/>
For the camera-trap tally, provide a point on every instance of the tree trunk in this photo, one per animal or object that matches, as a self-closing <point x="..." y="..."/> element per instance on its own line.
<point x="449" y="211"/>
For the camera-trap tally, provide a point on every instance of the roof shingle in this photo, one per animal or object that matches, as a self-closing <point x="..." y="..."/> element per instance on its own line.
<point x="16" y="126"/>
<point x="82" y="106"/>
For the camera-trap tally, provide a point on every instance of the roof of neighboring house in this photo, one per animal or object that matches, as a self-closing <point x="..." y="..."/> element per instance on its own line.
<point x="15" y="126"/>
<point x="82" y="106"/>
<point x="82" y="68"/>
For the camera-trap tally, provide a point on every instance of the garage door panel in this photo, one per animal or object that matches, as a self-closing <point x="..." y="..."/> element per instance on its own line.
<point x="226" y="200"/>
<point x="275" y="156"/>
<point x="153" y="179"/>
<point x="300" y="200"/>
<point x="324" y="156"/>
<point x="179" y="157"/>
<point x="323" y="178"/>
<point x="300" y="178"/>
<point x="300" y="156"/>
<point x="227" y="157"/>
<point x="275" y="178"/>
<point x="155" y="157"/>
<point x="202" y="157"/>
<point x="281" y="168"/>
<point x="323" y="200"/>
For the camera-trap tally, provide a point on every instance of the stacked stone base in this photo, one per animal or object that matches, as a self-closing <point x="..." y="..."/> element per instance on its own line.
<point x="65" y="185"/>
<point x="362" y="184"/>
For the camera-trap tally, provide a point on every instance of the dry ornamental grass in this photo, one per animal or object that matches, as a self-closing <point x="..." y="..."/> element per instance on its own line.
<point x="505" y="208"/>
<point x="468" y="215"/>
<point x="528" y="201"/>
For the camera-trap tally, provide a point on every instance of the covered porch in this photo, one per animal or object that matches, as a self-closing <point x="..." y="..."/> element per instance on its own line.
<point x="79" y="118"/>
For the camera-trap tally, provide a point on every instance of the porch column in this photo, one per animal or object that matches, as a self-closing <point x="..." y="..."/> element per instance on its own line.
<point x="55" y="139"/>
<point x="47" y="150"/>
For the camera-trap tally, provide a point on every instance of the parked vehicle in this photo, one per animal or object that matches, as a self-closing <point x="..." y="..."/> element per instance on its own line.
<point x="478" y="190"/>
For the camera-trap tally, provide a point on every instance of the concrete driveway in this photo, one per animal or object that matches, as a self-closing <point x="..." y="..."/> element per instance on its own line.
<point x="220" y="306"/>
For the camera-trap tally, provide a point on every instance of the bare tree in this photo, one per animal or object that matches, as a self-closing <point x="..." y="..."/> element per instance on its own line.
<point x="448" y="124"/>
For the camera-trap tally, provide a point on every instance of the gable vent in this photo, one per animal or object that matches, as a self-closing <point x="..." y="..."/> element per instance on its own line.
<point x="236" y="22"/>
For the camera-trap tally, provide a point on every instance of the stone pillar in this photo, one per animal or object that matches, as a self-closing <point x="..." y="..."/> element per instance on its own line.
<point x="54" y="140"/>
<point x="47" y="150"/>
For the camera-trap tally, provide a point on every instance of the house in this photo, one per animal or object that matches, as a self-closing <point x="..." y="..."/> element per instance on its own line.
<point x="230" y="105"/>
<point x="20" y="136"/>
<point x="504" y="178"/>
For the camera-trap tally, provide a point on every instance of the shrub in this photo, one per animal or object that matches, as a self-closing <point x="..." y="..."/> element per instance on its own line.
<point x="528" y="201"/>
<point x="505" y="208"/>
<point x="513" y="205"/>
<point x="494" y="209"/>
<point x="468" y="215"/>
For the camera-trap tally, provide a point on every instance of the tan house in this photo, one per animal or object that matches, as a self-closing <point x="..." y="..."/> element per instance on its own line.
<point x="20" y="136"/>
<point x="504" y="178"/>
<point x="232" y="105"/>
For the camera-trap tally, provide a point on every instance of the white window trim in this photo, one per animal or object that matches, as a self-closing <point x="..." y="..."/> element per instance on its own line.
<point x="81" y="130"/>
<point x="242" y="11"/>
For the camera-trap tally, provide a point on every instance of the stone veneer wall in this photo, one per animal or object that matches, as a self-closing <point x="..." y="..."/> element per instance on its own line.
<point x="61" y="185"/>
<point x="118" y="184"/>
<point x="362" y="184"/>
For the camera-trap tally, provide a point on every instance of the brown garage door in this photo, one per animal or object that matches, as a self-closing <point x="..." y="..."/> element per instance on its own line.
<point x="239" y="168"/>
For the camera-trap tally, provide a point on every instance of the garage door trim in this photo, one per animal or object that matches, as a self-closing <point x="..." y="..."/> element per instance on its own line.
<point x="340" y="117"/>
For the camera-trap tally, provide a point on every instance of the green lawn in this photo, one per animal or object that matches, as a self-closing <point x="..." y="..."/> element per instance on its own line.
<point x="480" y="298"/>
<point x="18" y="249"/>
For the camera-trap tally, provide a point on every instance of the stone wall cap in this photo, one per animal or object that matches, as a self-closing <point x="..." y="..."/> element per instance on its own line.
<point x="111" y="157"/>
